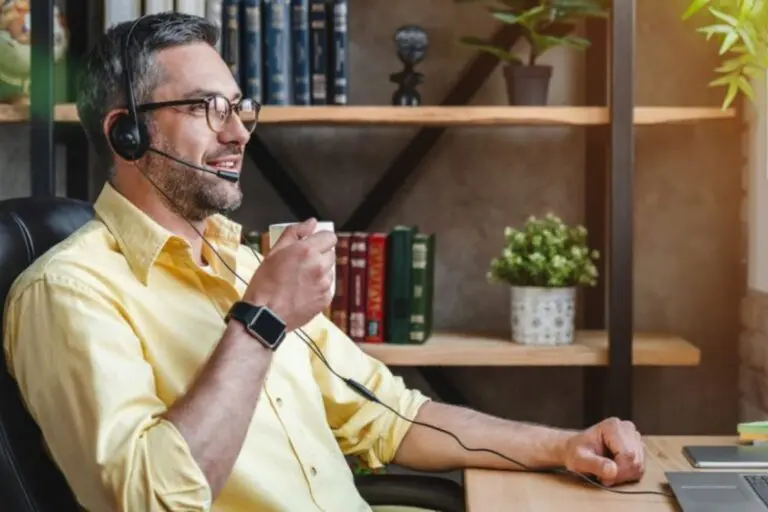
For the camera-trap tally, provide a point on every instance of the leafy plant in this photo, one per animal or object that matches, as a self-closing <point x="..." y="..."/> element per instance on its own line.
<point x="546" y="253"/>
<point x="742" y="27"/>
<point x="538" y="20"/>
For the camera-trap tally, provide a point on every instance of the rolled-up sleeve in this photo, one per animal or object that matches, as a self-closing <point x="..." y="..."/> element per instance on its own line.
<point x="363" y="428"/>
<point x="81" y="371"/>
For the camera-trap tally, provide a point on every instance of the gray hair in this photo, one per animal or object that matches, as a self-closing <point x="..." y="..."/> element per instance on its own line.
<point x="102" y="84"/>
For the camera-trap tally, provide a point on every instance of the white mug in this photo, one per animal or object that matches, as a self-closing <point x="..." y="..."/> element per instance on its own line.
<point x="276" y="230"/>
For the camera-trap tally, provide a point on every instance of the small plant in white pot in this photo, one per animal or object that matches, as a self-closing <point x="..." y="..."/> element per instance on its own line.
<point x="544" y="263"/>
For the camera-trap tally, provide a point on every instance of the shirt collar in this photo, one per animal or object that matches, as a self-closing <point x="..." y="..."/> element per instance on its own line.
<point x="141" y="239"/>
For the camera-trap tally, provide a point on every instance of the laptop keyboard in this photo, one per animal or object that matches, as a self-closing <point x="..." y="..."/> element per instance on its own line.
<point x="759" y="484"/>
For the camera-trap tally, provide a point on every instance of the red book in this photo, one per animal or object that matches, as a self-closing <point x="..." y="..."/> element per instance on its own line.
<point x="340" y="302"/>
<point x="358" y="277"/>
<point x="377" y="264"/>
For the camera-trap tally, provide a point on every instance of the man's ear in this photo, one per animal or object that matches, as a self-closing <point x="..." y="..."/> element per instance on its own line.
<point x="109" y="122"/>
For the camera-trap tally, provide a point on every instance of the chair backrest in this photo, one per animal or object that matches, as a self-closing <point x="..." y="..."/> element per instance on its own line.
<point x="29" y="480"/>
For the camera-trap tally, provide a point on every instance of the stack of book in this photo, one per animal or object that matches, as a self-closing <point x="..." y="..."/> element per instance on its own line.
<point x="384" y="283"/>
<point x="754" y="432"/>
<point x="281" y="52"/>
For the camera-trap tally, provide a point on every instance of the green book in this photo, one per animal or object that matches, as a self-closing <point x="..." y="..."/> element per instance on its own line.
<point x="753" y="427"/>
<point x="397" y="324"/>
<point x="422" y="286"/>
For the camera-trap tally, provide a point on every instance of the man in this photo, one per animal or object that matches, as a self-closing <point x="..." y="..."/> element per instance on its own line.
<point x="150" y="397"/>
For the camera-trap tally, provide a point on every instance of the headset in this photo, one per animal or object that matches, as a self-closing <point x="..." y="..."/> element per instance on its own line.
<point x="130" y="139"/>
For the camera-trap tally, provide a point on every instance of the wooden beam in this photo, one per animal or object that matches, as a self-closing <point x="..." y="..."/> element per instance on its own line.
<point x="405" y="163"/>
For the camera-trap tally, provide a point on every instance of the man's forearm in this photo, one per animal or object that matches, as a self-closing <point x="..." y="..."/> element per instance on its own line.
<point x="214" y="415"/>
<point x="426" y="449"/>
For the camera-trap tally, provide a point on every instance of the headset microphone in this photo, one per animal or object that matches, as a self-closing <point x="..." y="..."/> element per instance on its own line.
<point x="231" y="176"/>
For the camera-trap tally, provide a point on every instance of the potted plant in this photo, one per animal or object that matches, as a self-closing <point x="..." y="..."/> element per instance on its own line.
<point x="742" y="27"/>
<point x="527" y="81"/>
<point x="543" y="263"/>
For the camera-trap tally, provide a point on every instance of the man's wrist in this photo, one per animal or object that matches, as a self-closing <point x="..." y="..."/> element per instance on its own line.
<point x="559" y="447"/>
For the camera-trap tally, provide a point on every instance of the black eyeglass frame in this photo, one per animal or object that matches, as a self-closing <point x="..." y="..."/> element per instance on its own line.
<point x="206" y="100"/>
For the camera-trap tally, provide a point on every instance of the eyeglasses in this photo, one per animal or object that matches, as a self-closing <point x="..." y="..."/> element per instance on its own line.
<point x="218" y="110"/>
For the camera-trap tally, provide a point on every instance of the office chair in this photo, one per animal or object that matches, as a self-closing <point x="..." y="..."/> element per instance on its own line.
<point x="29" y="480"/>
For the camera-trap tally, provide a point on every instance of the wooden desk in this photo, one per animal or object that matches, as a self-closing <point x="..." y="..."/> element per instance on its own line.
<point x="492" y="491"/>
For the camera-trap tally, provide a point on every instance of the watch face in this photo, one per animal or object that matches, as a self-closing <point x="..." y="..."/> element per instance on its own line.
<point x="268" y="326"/>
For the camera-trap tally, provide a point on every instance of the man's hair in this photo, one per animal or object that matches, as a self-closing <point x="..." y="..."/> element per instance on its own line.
<point x="102" y="83"/>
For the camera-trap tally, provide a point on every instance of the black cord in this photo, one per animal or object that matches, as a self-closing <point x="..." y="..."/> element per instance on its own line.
<point x="369" y="395"/>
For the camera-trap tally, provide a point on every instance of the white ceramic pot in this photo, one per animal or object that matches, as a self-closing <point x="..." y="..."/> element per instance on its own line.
<point x="542" y="316"/>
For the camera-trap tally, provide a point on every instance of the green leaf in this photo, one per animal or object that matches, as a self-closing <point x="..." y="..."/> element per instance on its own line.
<point x="696" y="6"/>
<point x="733" y="89"/>
<point x="724" y="17"/>
<point x="728" y="42"/>
<point x="746" y="88"/>
<point x="715" y="29"/>
<point x="488" y="47"/>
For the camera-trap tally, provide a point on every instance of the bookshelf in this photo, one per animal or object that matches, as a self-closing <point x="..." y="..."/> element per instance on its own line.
<point x="434" y="116"/>
<point x="475" y="349"/>
<point x="608" y="348"/>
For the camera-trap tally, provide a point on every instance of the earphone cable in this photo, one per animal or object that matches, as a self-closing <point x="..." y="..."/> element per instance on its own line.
<point x="312" y="345"/>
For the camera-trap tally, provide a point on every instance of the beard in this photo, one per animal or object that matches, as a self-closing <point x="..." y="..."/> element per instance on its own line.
<point x="193" y="194"/>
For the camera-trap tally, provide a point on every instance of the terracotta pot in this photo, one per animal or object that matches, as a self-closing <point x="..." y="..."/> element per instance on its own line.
<point x="527" y="85"/>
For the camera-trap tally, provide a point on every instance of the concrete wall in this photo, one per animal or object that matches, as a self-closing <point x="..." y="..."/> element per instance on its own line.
<point x="689" y="273"/>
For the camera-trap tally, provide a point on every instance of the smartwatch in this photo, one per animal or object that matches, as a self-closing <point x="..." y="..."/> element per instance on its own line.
<point x="259" y="322"/>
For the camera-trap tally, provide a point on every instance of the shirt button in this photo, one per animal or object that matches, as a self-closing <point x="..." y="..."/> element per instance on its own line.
<point x="279" y="401"/>
<point x="313" y="470"/>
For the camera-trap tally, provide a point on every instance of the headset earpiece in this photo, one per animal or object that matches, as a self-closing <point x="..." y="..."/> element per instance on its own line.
<point x="129" y="140"/>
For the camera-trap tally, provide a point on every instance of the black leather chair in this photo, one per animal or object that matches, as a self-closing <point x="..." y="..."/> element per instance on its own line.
<point x="29" y="481"/>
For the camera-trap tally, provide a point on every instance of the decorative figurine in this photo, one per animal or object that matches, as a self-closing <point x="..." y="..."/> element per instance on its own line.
<point x="15" y="46"/>
<point x="411" y="42"/>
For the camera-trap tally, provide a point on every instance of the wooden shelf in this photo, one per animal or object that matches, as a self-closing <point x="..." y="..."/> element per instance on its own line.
<point x="589" y="349"/>
<point x="436" y="116"/>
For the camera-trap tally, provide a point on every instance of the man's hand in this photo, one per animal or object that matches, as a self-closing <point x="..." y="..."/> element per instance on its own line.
<point x="612" y="450"/>
<point x="295" y="279"/>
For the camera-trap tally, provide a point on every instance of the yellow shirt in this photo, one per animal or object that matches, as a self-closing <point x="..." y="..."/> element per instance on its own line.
<point x="107" y="329"/>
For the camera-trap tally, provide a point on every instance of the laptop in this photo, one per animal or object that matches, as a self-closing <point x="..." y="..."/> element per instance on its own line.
<point x="733" y="489"/>
<point x="719" y="491"/>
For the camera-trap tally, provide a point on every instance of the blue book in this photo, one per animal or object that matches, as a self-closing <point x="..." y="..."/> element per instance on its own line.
<point x="251" y="50"/>
<point x="278" y="70"/>
<point x="300" y="35"/>
<point x="230" y="37"/>
<point x="318" y="34"/>
<point x="340" y="51"/>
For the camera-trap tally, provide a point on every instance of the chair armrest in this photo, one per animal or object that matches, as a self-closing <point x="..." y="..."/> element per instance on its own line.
<point x="421" y="491"/>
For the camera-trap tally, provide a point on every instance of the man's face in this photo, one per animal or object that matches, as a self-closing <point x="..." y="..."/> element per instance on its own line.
<point x="195" y="71"/>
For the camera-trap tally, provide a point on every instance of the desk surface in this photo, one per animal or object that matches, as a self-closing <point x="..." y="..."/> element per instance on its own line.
<point x="491" y="491"/>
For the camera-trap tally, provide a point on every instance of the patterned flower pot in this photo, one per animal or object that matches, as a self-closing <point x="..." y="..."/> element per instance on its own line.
<point x="542" y="316"/>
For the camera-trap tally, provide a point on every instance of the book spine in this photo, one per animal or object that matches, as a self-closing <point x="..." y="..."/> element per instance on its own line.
<point x="358" y="259"/>
<point x="301" y="65"/>
<point x="277" y="52"/>
<point x="251" y="49"/>
<point x="230" y="42"/>
<point x="117" y="11"/>
<point x="421" y="270"/>
<point x="318" y="32"/>
<point x="340" y="51"/>
<point x="193" y="7"/>
<point x="399" y="284"/>
<point x="264" y="242"/>
<point x="158" y="6"/>
<point x="340" y="302"/>
<point x="374" y="312"/>
<point x="214" y="14"/>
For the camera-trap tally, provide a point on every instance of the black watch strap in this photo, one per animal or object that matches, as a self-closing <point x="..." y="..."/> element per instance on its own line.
<point x="260" y="322"/>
